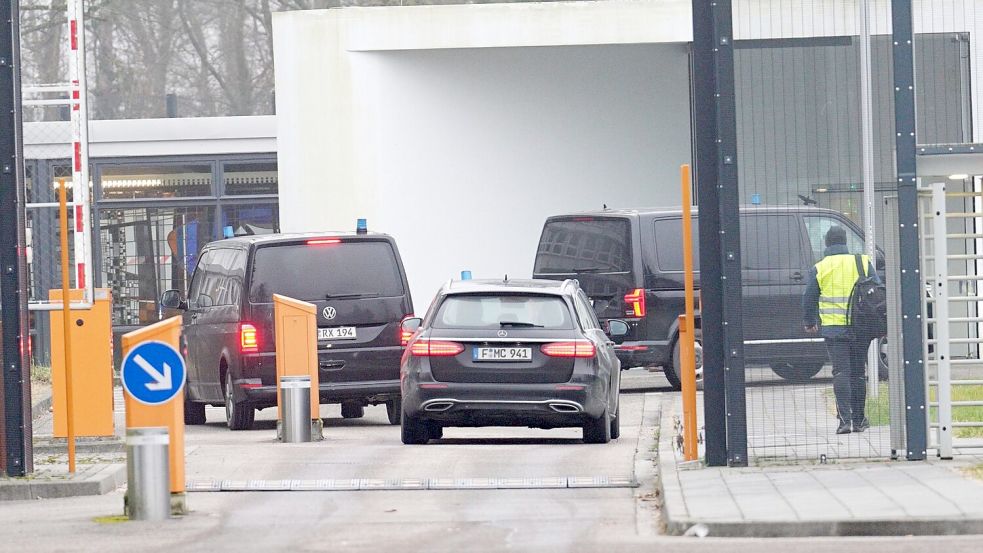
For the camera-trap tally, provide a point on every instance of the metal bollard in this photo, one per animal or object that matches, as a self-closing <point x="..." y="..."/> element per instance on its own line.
<point x="148" y="487"/>
<point x="296" y="394"/>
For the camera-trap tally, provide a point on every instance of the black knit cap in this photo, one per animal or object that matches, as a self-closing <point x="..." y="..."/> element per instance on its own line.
<point x="835" y="235"/>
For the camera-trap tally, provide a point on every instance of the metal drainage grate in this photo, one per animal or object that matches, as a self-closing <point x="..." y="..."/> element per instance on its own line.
<point x="367" y="484"/>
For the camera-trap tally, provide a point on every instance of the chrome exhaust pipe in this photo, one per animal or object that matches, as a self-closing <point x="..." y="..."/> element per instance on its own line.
<point x="438" y="406"/>
<point x="564" y="408"/>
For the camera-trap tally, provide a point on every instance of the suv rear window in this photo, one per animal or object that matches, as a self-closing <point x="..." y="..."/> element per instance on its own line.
<point x="314" y="272"/>
<point x="584" y="245"/>
<point x="487" y="311"/>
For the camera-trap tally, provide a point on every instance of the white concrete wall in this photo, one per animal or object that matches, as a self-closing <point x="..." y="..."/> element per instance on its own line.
<point x="421" y="120"/>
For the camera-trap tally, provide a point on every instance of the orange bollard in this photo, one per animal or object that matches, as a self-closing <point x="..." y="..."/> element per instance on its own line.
<point x="295" y="326"/>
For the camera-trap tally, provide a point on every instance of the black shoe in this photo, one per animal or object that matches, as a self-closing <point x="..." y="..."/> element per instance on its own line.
<point x="861" y="425"/>
<point x="844" y="428"/>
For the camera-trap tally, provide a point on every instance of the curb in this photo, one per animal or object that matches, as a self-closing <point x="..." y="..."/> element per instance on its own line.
<point x="648" y="498"/>
<point x="40" y="407"/>
<point x="100" y="480"/>
<point x="675" y="514"/>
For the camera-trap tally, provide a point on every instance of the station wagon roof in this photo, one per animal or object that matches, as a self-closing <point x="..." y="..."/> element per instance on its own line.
<point x="511" y="286"/>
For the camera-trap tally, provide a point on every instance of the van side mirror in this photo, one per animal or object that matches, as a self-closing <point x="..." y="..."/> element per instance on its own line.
<point x="411" y="325"/>
<point x="171" y="299"/>
<point x="617" y="330"/>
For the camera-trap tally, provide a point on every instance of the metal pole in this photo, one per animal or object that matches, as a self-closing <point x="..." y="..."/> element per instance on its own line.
<point x="704" y="125"/>
<point x="16" y="455"/>
<point x="687" y="330"/>
<point x="148" y="493"/>
<point x="867" y="162"/>
<point x="940" y="251"/>
<point x="911" y="288"/>
<point x="66" y="313"/>
<point x="296" y="394"/>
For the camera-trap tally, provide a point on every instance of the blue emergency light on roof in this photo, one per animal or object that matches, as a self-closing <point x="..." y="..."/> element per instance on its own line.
<point x="465" y="275"/>
<point x="361" y="226"/>
<point x="755" y="199"/>
<point x="227" y="231"/>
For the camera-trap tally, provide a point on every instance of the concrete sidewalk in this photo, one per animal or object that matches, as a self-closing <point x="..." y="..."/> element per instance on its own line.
<point x="845" y="498"/>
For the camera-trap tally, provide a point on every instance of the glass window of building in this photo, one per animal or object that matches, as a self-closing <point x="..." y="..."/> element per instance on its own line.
<point x="133" y="181"/>
<point x="240" y="179"/>
<point x="250" y="219"/>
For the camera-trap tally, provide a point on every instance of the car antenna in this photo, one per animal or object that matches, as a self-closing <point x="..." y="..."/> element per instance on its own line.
<point x="506" y="277"/>
<point x="605" y="206"/>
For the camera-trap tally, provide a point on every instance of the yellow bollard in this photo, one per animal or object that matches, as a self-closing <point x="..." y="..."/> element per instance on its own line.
<point x="295" y="326"/>
<point x="92" y="364"/>
<point x="169" y="414"/>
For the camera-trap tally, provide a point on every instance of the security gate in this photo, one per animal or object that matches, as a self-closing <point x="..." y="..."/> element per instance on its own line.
<point x="952" y="246"/>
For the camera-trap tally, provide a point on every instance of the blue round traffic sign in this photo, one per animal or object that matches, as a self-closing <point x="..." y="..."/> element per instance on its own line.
<point x="153" y="373"/>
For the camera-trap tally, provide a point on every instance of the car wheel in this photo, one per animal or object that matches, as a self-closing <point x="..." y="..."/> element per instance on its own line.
<point x="798" y="373"/>
<point x="352" y="410"/>
<point x="675" y="369"/>
<point x="239" y="416"/>
<point x="413" y="431"/>
<point x="393" y="408"/>
<point x="194" y="413"/>
<point x="598" y="431"/>
<point x="616" y="424"/>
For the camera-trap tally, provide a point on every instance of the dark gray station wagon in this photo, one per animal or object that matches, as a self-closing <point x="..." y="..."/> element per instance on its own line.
<point x="357" y="282"/>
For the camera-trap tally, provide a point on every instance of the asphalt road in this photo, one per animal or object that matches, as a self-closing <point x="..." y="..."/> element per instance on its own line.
<point x="611" y="519"/>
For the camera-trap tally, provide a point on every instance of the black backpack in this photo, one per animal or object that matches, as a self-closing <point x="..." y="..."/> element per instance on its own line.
<point x="867" y="311"/>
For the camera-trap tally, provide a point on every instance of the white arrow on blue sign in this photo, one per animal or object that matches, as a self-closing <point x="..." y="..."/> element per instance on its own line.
<point x="153" y="373"/>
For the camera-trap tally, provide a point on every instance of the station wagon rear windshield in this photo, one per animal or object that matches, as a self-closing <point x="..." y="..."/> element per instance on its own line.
<point x="584" y="245"/>
<point x="503" y="312"/>
<point x="312" y="272"/>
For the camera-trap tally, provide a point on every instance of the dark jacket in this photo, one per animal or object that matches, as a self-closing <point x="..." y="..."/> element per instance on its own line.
<point x="810" y="298"/>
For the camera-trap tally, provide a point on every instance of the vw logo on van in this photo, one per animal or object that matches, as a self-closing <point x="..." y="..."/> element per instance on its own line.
<point x="329" y="312"/>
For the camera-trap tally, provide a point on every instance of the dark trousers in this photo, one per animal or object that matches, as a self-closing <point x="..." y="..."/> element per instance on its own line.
<point x="849" y="358"/>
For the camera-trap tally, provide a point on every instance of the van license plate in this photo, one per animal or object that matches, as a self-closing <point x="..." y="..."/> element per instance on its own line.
<point x="336" y="333"/>
<point x="501" y="354"/>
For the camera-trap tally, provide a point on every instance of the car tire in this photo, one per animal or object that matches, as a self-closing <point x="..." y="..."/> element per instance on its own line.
<point x="598" y="431"/>
<point x="393" y="408"/>
<point x="194" y="413"/>
<point x="238" y="416"/>
<point x="797" y="373"/>
<point x="413" y="431"/>
<point x="352" y="410"/>
<point x="882" y="364"/>
<point x="673" y="368"/>
<point x="616" y="424"/>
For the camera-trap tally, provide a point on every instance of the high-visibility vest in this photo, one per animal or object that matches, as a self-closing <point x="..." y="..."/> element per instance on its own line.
<point x="837" y="275"/>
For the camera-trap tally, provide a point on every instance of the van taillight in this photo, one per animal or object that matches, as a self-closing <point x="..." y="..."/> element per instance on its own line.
<point x="435" y="348"/>
<point x="578" y="348"/>
<point x="635" y="303"/>
<point x="248" y="338"/>
<point x="404" y="335"/>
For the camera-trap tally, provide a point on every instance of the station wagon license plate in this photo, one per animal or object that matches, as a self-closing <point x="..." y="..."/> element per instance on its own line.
<point x="336" y="333"/>
<point x="501" y="354"/>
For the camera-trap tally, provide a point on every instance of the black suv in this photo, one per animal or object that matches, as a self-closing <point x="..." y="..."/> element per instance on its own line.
<point x="357" y="282"/>
<point x="630" y="263"/>
<point x="511" y="353"/>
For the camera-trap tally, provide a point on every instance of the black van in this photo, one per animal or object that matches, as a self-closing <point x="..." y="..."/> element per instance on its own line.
<point x="630" y="263"/>
<point x="358" y="284"/>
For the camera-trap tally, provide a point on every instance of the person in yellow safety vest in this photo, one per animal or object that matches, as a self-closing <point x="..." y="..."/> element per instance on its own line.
<point x="824" y="307"/>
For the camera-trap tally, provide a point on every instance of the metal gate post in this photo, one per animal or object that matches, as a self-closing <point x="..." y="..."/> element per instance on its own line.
<point x="940" y="252"/>
<point x="911" y="291"/>
<point x="715" y="138"/>
<point x="894" y="366"/>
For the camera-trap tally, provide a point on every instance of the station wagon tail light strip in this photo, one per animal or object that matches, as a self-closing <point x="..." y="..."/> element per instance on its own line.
<point x="435" y="348"/>
<point x="635" y="303"/>
<point x="248" y="338"/>
<point x="578" y="348"/>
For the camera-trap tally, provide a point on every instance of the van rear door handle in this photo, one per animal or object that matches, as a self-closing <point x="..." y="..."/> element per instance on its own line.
<point x="797" y="275"/>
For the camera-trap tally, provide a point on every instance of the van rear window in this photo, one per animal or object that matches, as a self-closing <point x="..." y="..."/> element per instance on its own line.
<point x="584" y="245"/>
<point x="317" y="271"/>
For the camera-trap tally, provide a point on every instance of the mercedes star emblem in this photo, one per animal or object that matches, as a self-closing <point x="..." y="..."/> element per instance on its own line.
<point x="502" y="334"/>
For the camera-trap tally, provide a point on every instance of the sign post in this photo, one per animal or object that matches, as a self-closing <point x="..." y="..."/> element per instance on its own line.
<point x="153" y="375"/>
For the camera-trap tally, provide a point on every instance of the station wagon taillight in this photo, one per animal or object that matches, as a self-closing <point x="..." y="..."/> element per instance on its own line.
<point x="577" y="348"/>
<point x="248" y="338"/>
<point x="635" y="303"/>
<point x="435" y="348"/>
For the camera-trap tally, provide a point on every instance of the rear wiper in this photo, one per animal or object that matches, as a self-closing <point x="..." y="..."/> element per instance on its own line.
<point x="517" y="323"/>
<point x="351" y="296"/>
